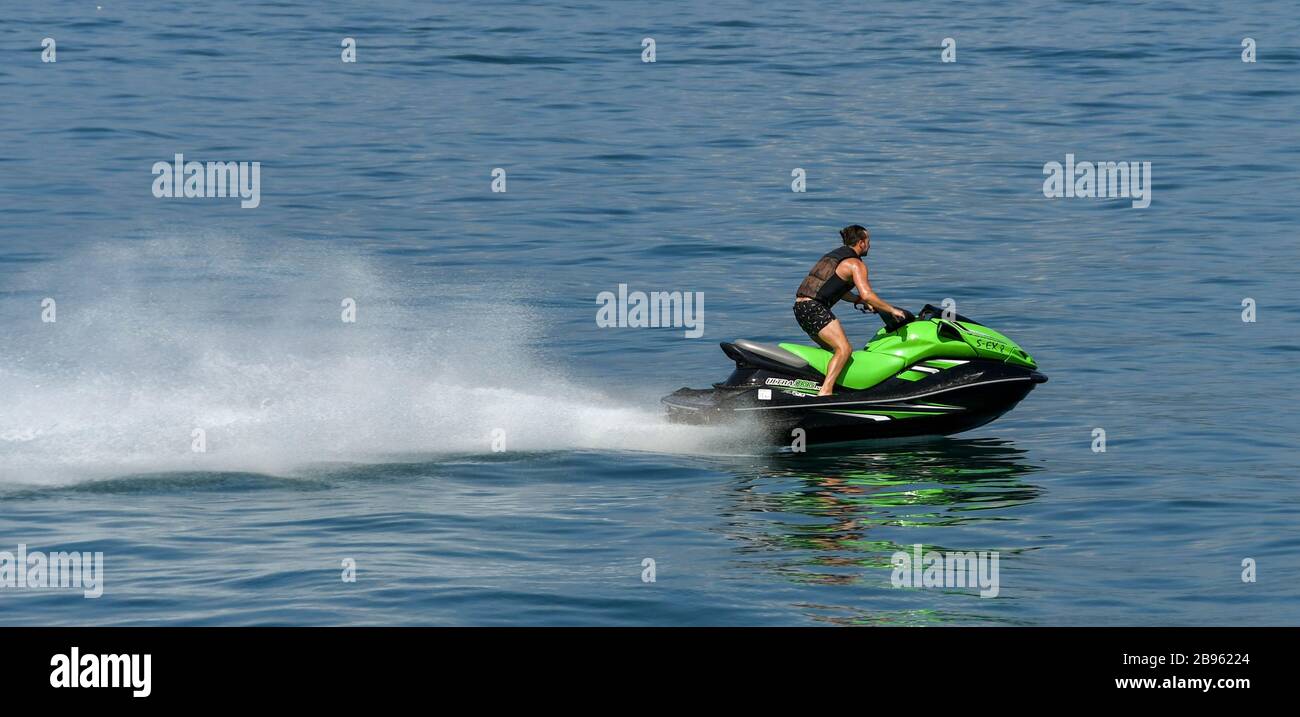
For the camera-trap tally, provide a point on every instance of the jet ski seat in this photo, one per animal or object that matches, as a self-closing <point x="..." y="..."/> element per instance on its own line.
<point x="772" y="353"/>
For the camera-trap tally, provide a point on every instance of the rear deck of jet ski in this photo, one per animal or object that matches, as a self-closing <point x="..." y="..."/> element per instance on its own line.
<point x="754" y="355"/>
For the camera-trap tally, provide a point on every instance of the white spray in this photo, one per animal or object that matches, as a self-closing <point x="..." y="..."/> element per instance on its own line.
<point x="155" y="339"/>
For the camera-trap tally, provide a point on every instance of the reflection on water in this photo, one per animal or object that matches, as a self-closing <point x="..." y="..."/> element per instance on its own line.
<point x="835" y="516"/>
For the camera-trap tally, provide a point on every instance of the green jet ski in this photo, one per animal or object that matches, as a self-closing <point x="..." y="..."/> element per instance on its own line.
<point x="929" y="374"/>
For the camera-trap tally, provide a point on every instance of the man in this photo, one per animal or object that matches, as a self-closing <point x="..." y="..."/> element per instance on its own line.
<point x="829" y="281"/>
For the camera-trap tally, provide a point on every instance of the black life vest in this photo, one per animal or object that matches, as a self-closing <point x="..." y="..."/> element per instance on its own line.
<point x="822" y="283"/>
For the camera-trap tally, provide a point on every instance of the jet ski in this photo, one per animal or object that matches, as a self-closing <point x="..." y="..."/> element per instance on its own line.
<point x="929" y="374"/>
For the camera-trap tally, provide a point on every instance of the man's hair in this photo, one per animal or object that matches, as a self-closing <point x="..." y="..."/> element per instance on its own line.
<point x="854" y="233"/>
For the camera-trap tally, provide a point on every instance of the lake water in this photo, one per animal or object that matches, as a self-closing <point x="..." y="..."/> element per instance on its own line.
<point x="371" y="441"/>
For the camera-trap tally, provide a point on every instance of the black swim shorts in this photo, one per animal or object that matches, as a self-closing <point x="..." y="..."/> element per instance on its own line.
<point x="813" y="316"/>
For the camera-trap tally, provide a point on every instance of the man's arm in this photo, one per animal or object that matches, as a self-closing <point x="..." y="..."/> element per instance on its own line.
<point x="854" y="299"/>
<point x="865" y="294"/>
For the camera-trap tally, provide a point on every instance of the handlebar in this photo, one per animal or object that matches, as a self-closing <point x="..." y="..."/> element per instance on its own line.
<point x="892" y="323"/>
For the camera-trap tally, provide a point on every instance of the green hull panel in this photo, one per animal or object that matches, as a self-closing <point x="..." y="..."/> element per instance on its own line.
<point x="891" y="352"/>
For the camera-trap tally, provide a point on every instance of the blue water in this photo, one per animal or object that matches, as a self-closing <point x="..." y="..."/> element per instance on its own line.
<point x="371" y="441"/>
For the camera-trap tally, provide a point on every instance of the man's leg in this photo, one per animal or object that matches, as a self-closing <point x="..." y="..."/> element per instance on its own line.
<point x="833" y="335"/>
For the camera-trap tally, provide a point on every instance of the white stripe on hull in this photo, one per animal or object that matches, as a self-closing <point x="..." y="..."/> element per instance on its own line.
<point x="883" y="400"/>
<point x="859" y="415"/>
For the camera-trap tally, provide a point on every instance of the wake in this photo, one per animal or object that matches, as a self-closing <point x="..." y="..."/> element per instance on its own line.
<point x="161" y="347"/>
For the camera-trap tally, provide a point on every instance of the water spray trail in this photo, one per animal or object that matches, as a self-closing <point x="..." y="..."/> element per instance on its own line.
<point x="155" y="339"/>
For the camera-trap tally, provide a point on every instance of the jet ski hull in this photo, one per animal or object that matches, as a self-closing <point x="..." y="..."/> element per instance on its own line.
<point x="936" y="373"/>
<point x="956" y="399"/>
